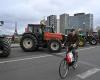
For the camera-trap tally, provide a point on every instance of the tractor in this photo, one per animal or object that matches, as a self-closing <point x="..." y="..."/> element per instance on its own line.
<point x="86" y="38"/>
<point x="39" y="35"/>
<point x="5" y="48"/>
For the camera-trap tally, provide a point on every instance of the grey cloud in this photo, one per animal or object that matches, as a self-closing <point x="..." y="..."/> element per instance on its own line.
<point x="27" y="11"/>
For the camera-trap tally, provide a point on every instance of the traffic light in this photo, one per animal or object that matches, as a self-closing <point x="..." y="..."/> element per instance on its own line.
<point x="1" y="23"/>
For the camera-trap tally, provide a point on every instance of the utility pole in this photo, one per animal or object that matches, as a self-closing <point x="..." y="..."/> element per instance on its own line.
<point x="15" y="33"/>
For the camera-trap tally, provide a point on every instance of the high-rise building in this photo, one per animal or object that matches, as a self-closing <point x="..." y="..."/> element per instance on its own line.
<point x="79" y="20"/>
<point x="82" y="20"/>
<point x="58" y="25"/>
<point x="64" y="22"/>
<point x="52" y="21"/>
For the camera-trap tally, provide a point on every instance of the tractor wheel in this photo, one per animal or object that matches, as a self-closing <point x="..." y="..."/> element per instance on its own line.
<point x="5" y="48"/>
<point x="81" y="43"/>
<point x="28" y="43"/>
<point x="93" y="42"/>
<point x="54" y="46"/>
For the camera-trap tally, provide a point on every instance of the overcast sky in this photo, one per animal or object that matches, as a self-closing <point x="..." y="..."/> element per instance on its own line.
<point x="32" y="11"/>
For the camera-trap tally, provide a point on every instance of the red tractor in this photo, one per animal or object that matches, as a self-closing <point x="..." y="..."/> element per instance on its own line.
<point x="38" y="35"/>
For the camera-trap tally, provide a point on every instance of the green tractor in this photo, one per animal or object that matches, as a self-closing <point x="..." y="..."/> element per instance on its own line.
<point x="85" y="38"/>
<point x="4" y="45"/>
<point x="81" y="40"/>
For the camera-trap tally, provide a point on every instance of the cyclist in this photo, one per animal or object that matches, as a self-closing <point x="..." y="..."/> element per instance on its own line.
<point x="72" y="39"/>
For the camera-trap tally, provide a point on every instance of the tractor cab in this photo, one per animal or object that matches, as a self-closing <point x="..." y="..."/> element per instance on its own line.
<point x="37" y="28"/>
<point x="48" y="29"/>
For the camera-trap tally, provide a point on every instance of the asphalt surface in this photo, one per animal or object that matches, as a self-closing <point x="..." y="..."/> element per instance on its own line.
<point x="41" y="65"/>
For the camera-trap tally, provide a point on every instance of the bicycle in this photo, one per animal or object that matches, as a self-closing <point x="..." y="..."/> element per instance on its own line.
<point x="67" y="62"/>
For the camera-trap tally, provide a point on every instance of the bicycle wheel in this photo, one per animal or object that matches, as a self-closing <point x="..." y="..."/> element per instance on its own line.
<point x="75" y="65"/>
<point x="63" y="69"/>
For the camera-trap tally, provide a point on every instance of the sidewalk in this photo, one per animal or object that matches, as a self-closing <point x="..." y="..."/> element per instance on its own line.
<point x="15" y="45"/>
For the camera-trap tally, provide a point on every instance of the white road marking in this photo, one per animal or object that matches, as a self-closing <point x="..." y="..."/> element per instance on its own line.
<point x="16" y="60"/>
<point x="88" y="73"/>
<point x="88" y="48"/>
<point x="24" y="59"/>
<point x="88" y="64"/>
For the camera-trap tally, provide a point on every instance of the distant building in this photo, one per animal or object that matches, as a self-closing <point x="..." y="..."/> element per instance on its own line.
<point x="79" y="20"/>
<point x="97" y="28"/>
<point x="83" y="21"/>
<point x="52" y="21"/>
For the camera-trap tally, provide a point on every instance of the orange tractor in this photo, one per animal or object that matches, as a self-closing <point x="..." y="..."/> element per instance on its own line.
<point x="38" y="35"/>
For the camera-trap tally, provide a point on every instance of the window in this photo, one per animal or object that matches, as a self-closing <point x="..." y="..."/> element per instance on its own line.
<point x="30" y="29"/>
<point x="48" y="29"/>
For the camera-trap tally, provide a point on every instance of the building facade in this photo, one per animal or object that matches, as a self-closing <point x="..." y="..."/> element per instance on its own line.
<point x="79" y="20"/>
<point x="64" y="22"/>
<point x="58" y="25"/>
<point x="52" y="21"/>
<point x="83" y="21"/>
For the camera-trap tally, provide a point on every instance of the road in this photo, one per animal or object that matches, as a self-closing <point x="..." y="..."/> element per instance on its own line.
<point x="41" y="65"/>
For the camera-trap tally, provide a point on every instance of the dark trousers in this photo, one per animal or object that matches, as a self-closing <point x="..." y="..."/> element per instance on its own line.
<point x="74" y="53"/>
